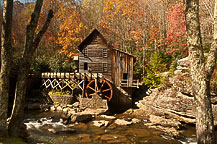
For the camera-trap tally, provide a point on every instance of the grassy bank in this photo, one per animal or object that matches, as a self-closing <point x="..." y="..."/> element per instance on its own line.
<point x="11" y="141"/>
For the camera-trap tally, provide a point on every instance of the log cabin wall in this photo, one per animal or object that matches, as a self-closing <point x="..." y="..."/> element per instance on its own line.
<point x="122" y="67"/>
<point x="95" y="57"/>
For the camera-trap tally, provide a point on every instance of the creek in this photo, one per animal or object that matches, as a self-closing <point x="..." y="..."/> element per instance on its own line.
<point x="43" y="127"/>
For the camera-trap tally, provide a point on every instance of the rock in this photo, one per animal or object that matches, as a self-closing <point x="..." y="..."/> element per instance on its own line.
<point x="183" y="62"/>
<point x="113" y="138"/>
<point x="169" y="106"/>
<point x="52" y="130"/>
<point x="68" y="130"/>
<point x="65" y="110"/>
<point x="106" y="123"/>
<point x="100" y="123"/>
<point x="34" y="106"/>
<point x="84" y="138"/>
<point x="70" y="106"/>
<point x="55" y="119"/>
<point x="80" y="127"/>
<point x="65" y="122"/>
<point x="59" y="108"/>
<point x="122" y="122"/>
<point x="169" y="102"/>
<point x="93" y="111"/>
<point x="65" y="130"/>
<point x="96" y="138"/>
<point x="45" y="107"/>
<point x="108" y="117"/>
<point x="157" y="120"/>
<point x="72" y="112"/>
<point x="177" y="72"/>
<point x="135" y="120"/>
<point x="65" y="116"/>
<point x="107" y="137"/>
<point x="76" y="104"/>
<point x="169" y="130"/>
<point x="82" y="118"/>
<point x="52" y="108"/>
<point x="112" y="126"/>
<point x="71" y="138"/>
<point x="63" y="106"/>
<point x="39" y="121"/>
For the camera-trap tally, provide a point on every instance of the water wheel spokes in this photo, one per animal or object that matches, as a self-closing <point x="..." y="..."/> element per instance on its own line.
<point x="101" y="87"/>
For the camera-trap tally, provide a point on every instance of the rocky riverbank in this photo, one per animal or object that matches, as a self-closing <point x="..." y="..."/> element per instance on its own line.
<point x="49" y="127"/>
<point x="168" y="108"/>
<point x="78" y="123"/>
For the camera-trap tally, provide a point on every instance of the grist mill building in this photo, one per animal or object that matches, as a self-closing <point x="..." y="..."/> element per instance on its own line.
<point x="97" y="56"/>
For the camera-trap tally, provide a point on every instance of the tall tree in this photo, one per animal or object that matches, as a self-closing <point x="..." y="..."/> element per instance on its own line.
<point x="176" y="29"/>
<point x="5" y="64"/>
<point x="201" y="72"/>
<point x="32" y="40"/>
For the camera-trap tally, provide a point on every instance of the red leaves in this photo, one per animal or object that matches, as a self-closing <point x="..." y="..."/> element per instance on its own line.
<point x="176" y="29"/>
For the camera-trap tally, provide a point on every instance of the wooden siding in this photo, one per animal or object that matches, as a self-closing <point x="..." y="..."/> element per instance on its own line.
<point x="117" y="62"/>
<point x="95" y="57"/>
<point x="122" y="63"/>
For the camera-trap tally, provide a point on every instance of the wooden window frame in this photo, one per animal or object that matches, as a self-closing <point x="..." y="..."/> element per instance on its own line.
<point x="105" y="52"/>
<point x="105" y="67"/>
<point x="85" y="53"/>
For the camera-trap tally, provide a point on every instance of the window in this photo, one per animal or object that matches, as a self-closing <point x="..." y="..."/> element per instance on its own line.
<point x="105" y="67"/>
<point x="122" y="59"/>
<point x="96" y="39"/>
<point x="105" y="54"/>
<point x="85" y="66"/>
<point x="85" y="52"/>
<point x="125" y="76"/>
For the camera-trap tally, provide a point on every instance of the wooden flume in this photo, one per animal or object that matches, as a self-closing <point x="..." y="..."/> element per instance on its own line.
<point x="89" y="83"/>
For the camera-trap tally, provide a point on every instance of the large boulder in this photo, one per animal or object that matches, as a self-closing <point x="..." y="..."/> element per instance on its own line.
<point x="82" y="118"/>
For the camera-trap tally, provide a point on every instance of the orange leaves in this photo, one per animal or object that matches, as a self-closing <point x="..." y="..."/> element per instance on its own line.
<point x="122" y="18"/>
<point x="71" y="30"/>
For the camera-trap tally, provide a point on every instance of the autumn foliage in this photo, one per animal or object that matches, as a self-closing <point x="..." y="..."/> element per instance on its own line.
<point x="140" y="27"/>
<point x="176" y="29"/>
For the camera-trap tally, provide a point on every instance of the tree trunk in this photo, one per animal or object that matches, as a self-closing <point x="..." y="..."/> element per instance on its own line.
<point x="5" y="64"/>
<point x="18" y="107"/>
<point x="31" y="44"/>
<point x="200" y="76"/>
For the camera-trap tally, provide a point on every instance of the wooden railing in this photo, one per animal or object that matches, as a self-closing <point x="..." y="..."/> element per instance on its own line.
<point x="71" y="75"/>
<point x="127" y="83"/>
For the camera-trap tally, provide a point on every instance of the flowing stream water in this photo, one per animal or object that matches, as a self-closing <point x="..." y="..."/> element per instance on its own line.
<point x="42" y="127"/>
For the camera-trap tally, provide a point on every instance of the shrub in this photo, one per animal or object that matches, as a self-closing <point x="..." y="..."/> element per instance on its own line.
<point x="152" y="78"/>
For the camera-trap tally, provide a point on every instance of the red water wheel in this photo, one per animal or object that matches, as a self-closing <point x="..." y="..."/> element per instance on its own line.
<point x="101" y="87"/>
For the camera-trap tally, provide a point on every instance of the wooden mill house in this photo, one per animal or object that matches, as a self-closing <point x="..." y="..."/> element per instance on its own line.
<point x="101" y="67"/>
<point x="97" y="56"/>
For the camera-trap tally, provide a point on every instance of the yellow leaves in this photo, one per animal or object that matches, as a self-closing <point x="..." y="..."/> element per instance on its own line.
<point x="70" y="32"/>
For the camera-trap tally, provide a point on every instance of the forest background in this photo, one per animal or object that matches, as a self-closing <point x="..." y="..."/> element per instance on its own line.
<point x="152" y="30"/>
